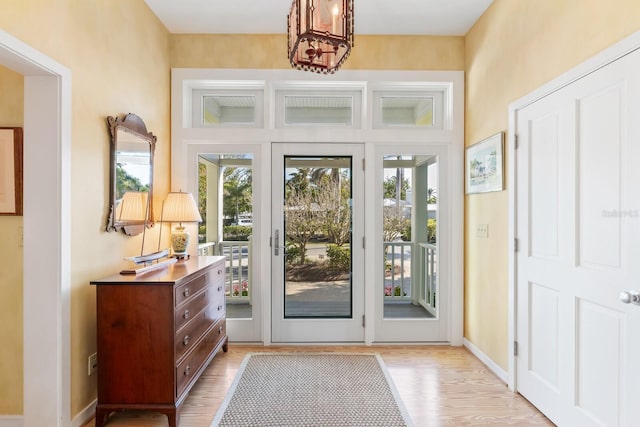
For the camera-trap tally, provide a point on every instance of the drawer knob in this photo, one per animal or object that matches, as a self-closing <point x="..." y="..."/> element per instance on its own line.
<point x="186" y="340"/>
<point x="187" y="314"/>
<point x="187" y="370"/>
<point x="186" y="292"/>
<point x="219" y="272"/>
<point x="219" y="288"/>
<point x="220" y="330"/>
<point x="219" y="307"/>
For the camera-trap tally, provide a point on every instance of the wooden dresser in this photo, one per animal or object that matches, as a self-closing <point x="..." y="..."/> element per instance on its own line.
<point x="157" y="332"/>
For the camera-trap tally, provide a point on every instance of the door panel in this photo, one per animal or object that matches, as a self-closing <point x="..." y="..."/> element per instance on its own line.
<point x="577" y="223"/>
<point x="317" y="270"/>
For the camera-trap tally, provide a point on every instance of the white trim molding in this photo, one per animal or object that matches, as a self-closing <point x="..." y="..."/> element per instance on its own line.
<point x="493" y="366"/>
<point x="448" y="85"/>
<point x="47" y="182"/>
<point x="84" y="416"/>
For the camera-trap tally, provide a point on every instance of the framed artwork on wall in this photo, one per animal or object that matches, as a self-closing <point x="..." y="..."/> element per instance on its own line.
<point x="484" y="166"/>
<point x="10" y="171"/>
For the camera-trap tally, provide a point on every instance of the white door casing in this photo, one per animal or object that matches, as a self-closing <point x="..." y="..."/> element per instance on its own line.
<point x="184" y="134"/>
<point x="46" y="289"/>
<point x="577" y="221"/>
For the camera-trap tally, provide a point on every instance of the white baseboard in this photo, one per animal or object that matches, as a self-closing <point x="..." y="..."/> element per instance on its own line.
<point x="493" y="367"/>
<point x="85" y="415"/>
<point x="11" y="421"/>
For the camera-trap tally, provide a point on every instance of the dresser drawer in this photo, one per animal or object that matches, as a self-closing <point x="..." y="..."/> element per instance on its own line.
<point x="194" y="305"/>
<point x="191" y="365"/>
<point x="219" y="331"/>
<point x="191" y="288"/>
<point x="217" y="274"/>
<point x="191" y="333"/>
<point x="217" y="306"/>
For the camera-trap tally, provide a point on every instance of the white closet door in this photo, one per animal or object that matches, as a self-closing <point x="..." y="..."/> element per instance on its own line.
<point x="578" y="226"/>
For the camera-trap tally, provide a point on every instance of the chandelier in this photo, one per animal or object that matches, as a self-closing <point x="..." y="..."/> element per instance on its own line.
<point x="320" y="34"/>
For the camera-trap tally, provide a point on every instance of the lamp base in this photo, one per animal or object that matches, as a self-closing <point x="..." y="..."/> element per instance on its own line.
<point x="179" y="241"/>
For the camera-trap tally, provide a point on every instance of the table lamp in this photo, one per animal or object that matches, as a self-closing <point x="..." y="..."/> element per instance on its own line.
<point x="180" y="207"/>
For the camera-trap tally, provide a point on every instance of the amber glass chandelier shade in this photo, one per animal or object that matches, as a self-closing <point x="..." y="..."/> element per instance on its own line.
<point x="320" y="34"/>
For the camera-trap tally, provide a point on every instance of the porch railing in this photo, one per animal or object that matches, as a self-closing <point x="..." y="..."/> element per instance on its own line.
<point x="428" y="277"/>
<point x="398" y="274"/>
<point x="238" y="274"/>
<point x="397" y="270"/>
<point x="407" y="278"/>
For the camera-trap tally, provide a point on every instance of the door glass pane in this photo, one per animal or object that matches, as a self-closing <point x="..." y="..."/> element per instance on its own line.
<point x="407" y="111"/>
<point x="317" y="237"/>
<point x="409" y="214"/>
<point x="225" y="196"/>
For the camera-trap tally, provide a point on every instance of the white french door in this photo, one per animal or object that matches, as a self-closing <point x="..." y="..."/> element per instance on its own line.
<point x="578" y="227"/>
<point x="226" y="179"/>
<point x="411" y="266"/>
<point x="316" y="247"/>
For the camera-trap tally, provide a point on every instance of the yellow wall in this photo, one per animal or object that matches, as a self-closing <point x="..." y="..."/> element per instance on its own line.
<point x="11" y="115"/>
<point x="270" y="51"/>
<point x="118" y="54"/>
<point x="514" y="48"/>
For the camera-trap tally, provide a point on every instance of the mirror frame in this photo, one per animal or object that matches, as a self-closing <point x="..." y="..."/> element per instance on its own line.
<point x="133" y="125"/>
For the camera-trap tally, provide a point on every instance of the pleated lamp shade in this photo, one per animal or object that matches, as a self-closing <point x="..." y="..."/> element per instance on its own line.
<point x="132" y="207"/>
<point x="180" y="207"/>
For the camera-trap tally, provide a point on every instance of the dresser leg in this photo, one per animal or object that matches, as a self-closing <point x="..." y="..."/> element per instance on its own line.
<point x="225" y="346"/>
<point x="173" y="417"/>
<point x="101" y="416"/>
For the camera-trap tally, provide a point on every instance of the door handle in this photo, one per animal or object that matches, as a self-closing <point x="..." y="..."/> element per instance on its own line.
<point x="630" y="297"/>
<point x="276" y="243"/>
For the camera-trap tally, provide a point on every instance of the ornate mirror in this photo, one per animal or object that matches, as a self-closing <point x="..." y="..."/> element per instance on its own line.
<point x="131" y="177"/>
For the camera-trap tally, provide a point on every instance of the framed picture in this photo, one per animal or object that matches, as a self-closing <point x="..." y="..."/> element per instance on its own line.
<point x="484" y="165"/>
<point x="10" y="171"/>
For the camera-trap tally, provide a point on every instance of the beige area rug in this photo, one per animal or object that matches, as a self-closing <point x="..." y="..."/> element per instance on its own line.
<point x="312" y="390"/>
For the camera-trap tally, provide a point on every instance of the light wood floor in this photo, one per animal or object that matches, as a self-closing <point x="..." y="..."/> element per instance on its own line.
<point x="439" y="385"/>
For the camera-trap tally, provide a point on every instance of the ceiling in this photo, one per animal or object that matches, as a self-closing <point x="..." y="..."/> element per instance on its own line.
<point x="399" y="17"/>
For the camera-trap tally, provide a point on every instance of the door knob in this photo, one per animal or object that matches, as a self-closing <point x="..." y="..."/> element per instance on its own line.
<point x="630" y="297"/>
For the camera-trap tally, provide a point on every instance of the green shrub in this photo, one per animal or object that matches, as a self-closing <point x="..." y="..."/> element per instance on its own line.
<point x="236" y="232"/>
<point x="339" y="257"/>
<point x="431" y="230"/>
<point x="406" y="231"/>
<point x="293" y="254"/>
